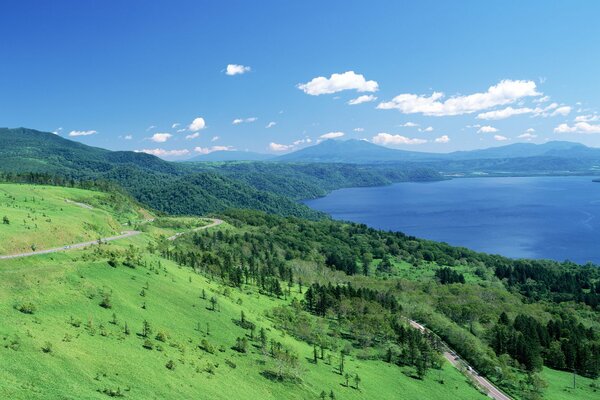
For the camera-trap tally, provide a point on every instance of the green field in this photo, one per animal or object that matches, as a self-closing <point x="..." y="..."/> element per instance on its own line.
<point x="59" y="342"/>
<point x="73" y="322"/>
<point x="41" y="217"/>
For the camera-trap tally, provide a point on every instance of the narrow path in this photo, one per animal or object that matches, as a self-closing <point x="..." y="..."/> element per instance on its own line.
<point x="450" y="355"/>
<point x="82" y="205"/>
<point x="124" y="235"/>
<point x="215" y="222"/>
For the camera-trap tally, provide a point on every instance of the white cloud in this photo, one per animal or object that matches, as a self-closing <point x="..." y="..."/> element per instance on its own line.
<point x="500" y="138"/>
<point x="193" y="135"/>
<point x="579" y="127"/>
<point x="81" y="133"/>
<point x="164" y="153"/>
<point x="271" y="124"/>
<point x="388" y="139"/>
<point x="215" y="138"/>
<point x="207" y="150"/>
<point x="442" y="139"/>
<point x="150" y="128"/>
<point x="564" y="110"/>
<point x="128" y="137"/>
<point x="528" y="135"/>
<point x="551" y="110"/>
<point x="358" y="129"/>
<point x="542" y="99"/>
<point x="197" y="124"/>
<point x="487" y="129"/>
<point x="175" y="125"/>
<point x="410" y="124"/>
<point x="238" y="121"/>
<point x="161" y="137"/>
<point x="428" y="129"/>
<point x="236" y="69"/>
<point x="587" y="118"/>
<point x="338" y="82"/>
<point x="332" y="135"/>
<point x="365" y="98"/>
<point x="504" y="113"/>
<point x="505" y="92"/>
<point x="58" y="131"/>
<point x="302" y="141"/>
<point x="280" y="147"/>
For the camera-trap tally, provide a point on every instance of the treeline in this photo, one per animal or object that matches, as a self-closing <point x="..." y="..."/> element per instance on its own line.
<point x="371" y="318"/>
<point x="562" y="344"/>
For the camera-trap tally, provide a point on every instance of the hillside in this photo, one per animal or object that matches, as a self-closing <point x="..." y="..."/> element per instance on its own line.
<point x="547" y="156"/>
<point x="187" y="188"/>
<point x="120" y="320"/>
<point x="231" y="155"/>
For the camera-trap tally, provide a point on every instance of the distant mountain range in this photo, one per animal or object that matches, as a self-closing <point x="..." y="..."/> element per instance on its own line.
<point x="229" y="155"/>
<point x="363" y="152"/>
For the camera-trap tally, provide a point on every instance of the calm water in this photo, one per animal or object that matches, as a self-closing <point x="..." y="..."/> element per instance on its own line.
<point x="548" y="217"/>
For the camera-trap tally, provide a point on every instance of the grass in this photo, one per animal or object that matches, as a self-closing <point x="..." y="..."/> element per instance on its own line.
<point x="560" y="386"/>
<point x="42" y="217"/>
<point x="58" y="341"/>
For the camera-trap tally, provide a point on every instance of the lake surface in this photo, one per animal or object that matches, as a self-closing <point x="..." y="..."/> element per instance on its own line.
<point x="542" y="217"/>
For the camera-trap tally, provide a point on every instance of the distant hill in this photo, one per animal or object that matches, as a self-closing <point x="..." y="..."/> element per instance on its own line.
<point x="363" y="152"/>
<point x="224" y="155"/>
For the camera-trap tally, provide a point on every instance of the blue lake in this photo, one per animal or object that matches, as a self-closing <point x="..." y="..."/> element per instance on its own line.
<point x="541" y="217"/>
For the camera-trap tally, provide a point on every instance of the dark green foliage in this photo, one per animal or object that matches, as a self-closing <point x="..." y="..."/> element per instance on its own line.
<point x="446" y="275"/>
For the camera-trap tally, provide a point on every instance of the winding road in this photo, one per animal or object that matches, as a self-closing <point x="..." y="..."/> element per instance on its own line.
<point x="123" y="235"/>
<point x="490" y="388"/>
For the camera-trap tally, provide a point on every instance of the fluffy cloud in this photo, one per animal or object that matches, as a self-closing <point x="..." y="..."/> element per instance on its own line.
<point x="332" y="135"/>
<point x="388" y="139"/>
<point x="442" y="139"/>
<point x="197" y="124"/>
<point x="280" y="147"/>
<point x="302" y="141"/>
<point x="358" y="129"/>
<point x="164" y="153"/>
<point x="504" y="113"/>
<point x="487" y="129"/>
<point x="337" y="82"/>
<point x="500" y="138"/>
<point x="505" y="92"/>
<point x="215" y="138"/>
<point x="528" y="135"/>
<point x="428" y="129"/>
<point x="271" y="124"/>
<point x="552" y="110"/>
<point x="365" y="98"/>
<point x="409" y="124"/>
<point x="128" y="137"/>
<point x="175" y="125"/>
<point x="193" y="135"/>
<point x="587" y="118"/>
<point x="564" y="110"/>
<point x="81" y="133"/>
<point x="236" y="69"/>
<point x="579" y="127"/>
<point x="161" y="137"/>
<point x="207" y="150"/>
<point x="238" y="121"/>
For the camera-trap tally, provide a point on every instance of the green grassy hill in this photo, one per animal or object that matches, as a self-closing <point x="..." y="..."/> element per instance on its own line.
<point x="41" y="217"/>
<point x="145" y="317"/>
<point x="73" y="326"/>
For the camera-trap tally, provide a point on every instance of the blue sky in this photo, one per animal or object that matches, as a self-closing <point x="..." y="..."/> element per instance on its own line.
<point x="431" y="76"/>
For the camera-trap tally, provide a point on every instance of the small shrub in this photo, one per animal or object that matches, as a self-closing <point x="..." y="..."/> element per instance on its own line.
<point x="148" y="344"/>
<point x="170" y="365"/>
<point x="26" y="307"/>
<point x="47" y="347"/>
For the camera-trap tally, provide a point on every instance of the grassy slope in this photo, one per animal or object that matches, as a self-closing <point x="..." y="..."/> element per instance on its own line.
<point x="42" y="216"/>
<point x="98" y="355"/>
<point x="83" y="360"/>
